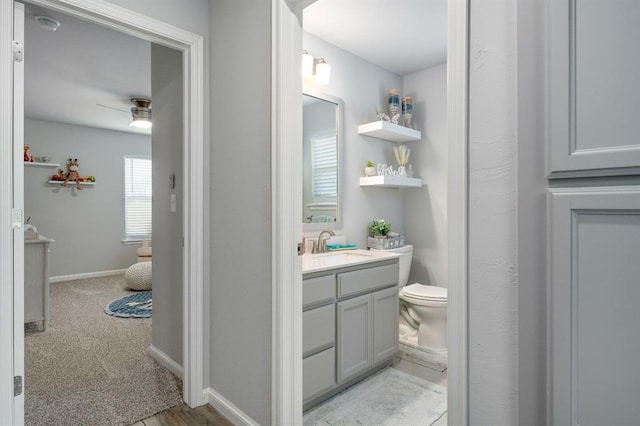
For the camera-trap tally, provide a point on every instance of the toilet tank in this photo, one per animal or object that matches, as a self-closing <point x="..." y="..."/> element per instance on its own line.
<point x="406" y="256"/>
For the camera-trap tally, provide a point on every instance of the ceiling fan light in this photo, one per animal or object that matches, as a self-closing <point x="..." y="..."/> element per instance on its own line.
<point x="141" y="123"/>
<point x="141" y="113"/>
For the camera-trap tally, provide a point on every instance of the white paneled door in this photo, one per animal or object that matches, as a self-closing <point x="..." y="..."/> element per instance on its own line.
<point x="594" y="300"/>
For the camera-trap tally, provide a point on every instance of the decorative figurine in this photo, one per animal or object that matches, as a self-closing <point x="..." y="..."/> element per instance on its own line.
<point x="72" y="175"/>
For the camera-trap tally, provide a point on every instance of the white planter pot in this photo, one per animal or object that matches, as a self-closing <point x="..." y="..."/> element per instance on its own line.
<point x="370" y="171"/>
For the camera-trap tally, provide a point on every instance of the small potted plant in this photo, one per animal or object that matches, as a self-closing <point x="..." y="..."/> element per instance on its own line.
<point x="370" y="169"/>
<point x="378" y="229"/>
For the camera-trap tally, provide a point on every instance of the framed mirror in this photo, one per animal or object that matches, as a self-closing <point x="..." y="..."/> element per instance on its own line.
<point x="321" y="141"/>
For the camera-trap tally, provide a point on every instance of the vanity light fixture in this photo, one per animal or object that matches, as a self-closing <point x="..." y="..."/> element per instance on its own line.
<point x="307" y="64"/>
<point x="315" y="70"/>
<point x="141" y="113"/>
<point x="322" y="72"/>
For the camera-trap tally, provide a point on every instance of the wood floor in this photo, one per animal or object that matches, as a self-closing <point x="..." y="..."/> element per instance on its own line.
<point x="182" y="415"/>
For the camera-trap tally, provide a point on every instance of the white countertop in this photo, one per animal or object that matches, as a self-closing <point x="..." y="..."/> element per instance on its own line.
<point x="339" y="259"/>
<point x="40" y="240"/>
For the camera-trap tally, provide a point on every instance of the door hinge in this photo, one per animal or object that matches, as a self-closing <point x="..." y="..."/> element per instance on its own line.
<point x="17" y="385"/>
<point x="16" y="219"/>
<point x="18" y="51"/>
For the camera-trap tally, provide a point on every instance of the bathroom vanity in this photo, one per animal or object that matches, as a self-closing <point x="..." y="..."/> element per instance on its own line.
<point x="350" y="319"/>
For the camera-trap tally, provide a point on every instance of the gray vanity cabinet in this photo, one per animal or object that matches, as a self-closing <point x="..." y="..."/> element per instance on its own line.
<point x="385" y="324"/>
<point x="354" y="336"/>
<point x="350" y="326"/>
<point x="367" y="331"/>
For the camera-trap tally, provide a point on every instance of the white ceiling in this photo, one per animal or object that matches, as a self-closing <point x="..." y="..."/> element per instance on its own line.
<point x="401" y="36"/>
<point x="71" y="70"/>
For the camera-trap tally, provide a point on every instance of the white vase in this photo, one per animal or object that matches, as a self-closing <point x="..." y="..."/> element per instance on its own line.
<point x="402" y="171"/>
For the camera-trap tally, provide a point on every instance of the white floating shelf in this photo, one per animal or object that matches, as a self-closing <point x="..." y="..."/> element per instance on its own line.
<point x="391" y="182"/>
<point x="38" y="164"/>
<point x="389" y="132"/>
<point x="60" y="182"/>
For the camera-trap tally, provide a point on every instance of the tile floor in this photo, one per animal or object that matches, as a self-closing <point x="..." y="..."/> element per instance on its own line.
<point x="433" y="373"/>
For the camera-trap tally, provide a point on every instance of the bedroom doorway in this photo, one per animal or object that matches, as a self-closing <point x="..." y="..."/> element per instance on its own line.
<point x="190" y="333"/>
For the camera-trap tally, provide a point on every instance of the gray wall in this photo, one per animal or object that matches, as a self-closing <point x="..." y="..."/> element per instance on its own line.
<point x="240" y="191"/>
<point x="363" y="87"/>
<point x="493" y="273"/>
<point x="191" y="15"/>
<point x="87" y="225"/>
<point x="425" y="211"/>
<point x="167" y="137"/>
<point x="532" y="341"/>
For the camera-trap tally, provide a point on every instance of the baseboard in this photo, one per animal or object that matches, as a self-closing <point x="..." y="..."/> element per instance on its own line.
<point x="166" y="361"/>
<point x="227" y="409"/>
<point x="86" y="275"/>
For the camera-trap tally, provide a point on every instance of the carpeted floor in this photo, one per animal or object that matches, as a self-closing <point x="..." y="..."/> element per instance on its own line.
<point x="91" y="368"/>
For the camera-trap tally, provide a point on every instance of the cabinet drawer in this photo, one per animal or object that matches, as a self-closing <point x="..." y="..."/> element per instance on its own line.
<point x="318" y="290"/>
<point x="318" y="373"/>
<point x="318" y="329"/>
<point x="364" y="280"/>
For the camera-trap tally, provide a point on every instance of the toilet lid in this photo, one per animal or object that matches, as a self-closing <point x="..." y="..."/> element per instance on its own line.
<point x="425" y="292"/>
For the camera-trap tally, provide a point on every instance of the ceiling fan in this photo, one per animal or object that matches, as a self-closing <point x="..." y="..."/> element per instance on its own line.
<point x="141" y="112"/>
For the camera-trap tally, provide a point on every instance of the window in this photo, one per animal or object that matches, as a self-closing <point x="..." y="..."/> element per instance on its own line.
<point x="137" y="198"/>
<point x="324" y="171"/>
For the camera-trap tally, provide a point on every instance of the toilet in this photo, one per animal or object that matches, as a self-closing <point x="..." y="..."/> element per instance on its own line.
<point x="423" y="308"/>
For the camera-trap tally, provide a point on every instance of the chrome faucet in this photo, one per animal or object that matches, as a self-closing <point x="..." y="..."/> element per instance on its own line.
<point x="321" y="243"/>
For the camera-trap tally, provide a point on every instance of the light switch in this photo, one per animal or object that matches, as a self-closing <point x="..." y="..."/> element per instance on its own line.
<point x="172" y="206"/>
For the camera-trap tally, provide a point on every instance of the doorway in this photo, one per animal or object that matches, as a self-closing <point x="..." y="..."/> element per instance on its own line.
<point x="288" y="45"/>
<point x="191" y="46"/>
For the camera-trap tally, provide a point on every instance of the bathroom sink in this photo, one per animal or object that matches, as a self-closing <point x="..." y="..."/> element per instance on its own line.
<point x="337" y="259"/>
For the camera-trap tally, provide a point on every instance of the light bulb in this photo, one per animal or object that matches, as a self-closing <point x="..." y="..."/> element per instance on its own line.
<point x="307" y="64"/>
<point x="323" y="72"/>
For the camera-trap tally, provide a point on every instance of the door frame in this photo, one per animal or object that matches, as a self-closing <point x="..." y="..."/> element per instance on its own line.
<point x="192" y="47"/>
<point x="287" y="199"/>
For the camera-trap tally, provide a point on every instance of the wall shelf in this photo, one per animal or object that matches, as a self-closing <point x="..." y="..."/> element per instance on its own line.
<point x="391" y="182"/>
<point x="389" y="132"/>
<point x="60" y="182"/>
<point x="38" y="164"/>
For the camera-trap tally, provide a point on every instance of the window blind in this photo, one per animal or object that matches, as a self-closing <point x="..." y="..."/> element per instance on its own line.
<point x="137" y="198"/>
<point x="324" y="170"/>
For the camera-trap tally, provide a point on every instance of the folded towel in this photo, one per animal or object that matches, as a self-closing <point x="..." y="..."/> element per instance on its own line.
<point x="334" y="247"/>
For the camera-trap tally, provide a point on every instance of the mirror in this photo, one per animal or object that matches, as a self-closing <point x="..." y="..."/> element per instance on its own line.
<point x="321" y="140"/>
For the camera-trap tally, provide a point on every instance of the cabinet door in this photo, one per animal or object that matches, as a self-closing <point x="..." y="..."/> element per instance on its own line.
<point x="594" y="299"/>
<point x="318" y="374"/>
<point x="385" y="324"/>
<point x="593" y="62"/>
<point x="354" y="336"/>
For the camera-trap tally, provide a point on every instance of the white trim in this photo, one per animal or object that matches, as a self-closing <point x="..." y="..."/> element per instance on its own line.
<point x="18" y="203"/>
<point x="457" y="119"/>
<point x="166" y="361"/>
<point x="84" y="275"/>
<point x="286" y="169"/>
<point x="232" y="413"/>
<point x="6" y="204"/>
<point x="192" y="46"/>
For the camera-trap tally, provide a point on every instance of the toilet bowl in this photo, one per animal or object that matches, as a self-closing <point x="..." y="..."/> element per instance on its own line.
<point x="423" y="308"/>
